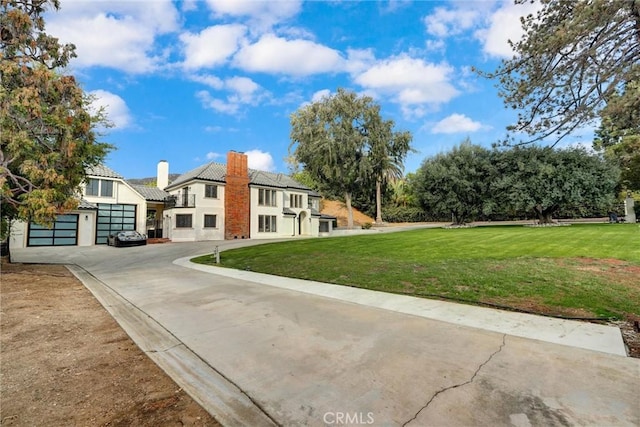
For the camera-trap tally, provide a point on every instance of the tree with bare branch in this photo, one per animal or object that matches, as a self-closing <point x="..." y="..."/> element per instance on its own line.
<point x="575" y="57"/>
<point x="48" y="136"/>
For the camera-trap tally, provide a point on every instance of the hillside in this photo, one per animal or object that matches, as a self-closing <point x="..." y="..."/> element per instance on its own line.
<point x="151" y="180"/>
<point x="339" y="210"/>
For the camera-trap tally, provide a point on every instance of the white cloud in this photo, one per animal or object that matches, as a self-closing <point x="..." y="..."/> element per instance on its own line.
<point x="504" y="25"/>
<point x="212" y="46"/>
<point x="115" y="108"/>
<point x="212" y="156"/>
<point x="209" y="80"/>
<point x="272" y="54"/>
<point x="261" y="14"/>
<point x="217" y="104"/>
<point x="447" y="22"/>
<point x="410" y="81"/>
<point x="359" y="60"/>
<point x="457" y="123"/>
<point x="241" y="91"/>
<point x="260" y="160"/>
<point x="319" y="95"/>
<point x="119" y="35"/>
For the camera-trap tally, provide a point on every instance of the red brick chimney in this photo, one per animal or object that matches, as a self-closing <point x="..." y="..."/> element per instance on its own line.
<point x="236" y="197"/>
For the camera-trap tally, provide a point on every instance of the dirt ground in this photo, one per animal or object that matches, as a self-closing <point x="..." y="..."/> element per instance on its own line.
<point x="339" y="210"/>
<point x="65" y="361"/>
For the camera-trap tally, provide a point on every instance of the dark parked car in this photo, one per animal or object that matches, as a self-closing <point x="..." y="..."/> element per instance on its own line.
<point x="126" y="238"/>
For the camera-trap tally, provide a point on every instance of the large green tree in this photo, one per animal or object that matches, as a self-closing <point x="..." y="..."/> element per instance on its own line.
<point x="344" y="145"/>
<point x="472" y="181"/>
<point x="456" y="184"/>
<point x="47" y="137"/>
<point x="619" y="134"/>
<point x="574" y="57"/>
<point x="544" y="180"/>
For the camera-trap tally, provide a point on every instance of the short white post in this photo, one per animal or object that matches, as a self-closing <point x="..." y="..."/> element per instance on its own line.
<point x="629" y="211"/>
<point x="216" y="252"/>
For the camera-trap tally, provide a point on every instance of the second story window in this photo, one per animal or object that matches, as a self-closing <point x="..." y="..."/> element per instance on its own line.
<point x="99" y="187"/>
<point x="93" y="187"/>
<point x="295" y="200"/>
<point x="267" y="197"/>
<point x="211" y="191"/>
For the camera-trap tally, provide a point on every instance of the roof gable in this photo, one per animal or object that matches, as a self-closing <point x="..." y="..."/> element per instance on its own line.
<point x="103" y="171"/>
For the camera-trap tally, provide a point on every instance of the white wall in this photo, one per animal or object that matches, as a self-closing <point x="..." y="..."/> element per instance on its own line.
<point x="203" y="205"/>
<point x="125" y="195"/>
<point x="86" y="230"/>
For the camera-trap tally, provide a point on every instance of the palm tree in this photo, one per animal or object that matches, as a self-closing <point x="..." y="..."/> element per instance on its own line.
<point x="387" y="151"/>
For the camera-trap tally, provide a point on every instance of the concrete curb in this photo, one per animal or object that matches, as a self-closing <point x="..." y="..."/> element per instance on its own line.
<point x="212" y="390"/>
<point x="590" y="336"/>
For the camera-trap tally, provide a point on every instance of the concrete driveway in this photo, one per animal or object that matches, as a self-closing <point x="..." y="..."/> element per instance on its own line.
<point x="257" y="350"/>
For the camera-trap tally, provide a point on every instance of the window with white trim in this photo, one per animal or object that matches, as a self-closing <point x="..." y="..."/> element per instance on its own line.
<point x="211" y="191"/>
<point x="210" y="221"/>
<point x="267" y="197"/>
<point x="183" y="221"/>
<point x="295" y="200"/>
<point x="99" y="187"/>
<point x="267" y="223"/>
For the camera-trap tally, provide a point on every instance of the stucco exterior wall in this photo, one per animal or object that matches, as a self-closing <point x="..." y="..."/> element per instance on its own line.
<point x="123" y="194"/>
<point x="86" y="230"/>
<point x="203" y="206"/>
<point x="257" y="210"/>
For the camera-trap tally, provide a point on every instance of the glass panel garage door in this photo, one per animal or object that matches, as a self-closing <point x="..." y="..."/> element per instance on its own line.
<point x="112" y="218"/>
<point x="64" y="232"/>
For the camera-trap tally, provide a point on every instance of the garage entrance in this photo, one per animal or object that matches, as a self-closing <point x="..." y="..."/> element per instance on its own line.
<point x="64" y="232"/>
<point x="112" y="218"/>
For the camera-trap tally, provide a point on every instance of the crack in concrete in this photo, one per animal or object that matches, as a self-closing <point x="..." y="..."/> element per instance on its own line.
<point x="469" y="381"/>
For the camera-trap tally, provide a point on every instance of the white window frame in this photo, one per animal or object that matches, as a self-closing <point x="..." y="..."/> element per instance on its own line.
<point x="215" y="221"/>
<point x="184" y="215"/>
<point x="99" y="190"/>
<point x="295" y="200"/>
<point x="267" y="197"/>
<point x="267" y="224"/>
<point x="215" y="191"/>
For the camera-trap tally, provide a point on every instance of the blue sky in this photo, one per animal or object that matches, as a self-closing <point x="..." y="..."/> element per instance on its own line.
<point x="188" y="81"/>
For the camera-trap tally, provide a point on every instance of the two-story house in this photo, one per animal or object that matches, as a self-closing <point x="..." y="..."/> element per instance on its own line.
<point x="211" y="202"/>
<point x="216" y="201"/>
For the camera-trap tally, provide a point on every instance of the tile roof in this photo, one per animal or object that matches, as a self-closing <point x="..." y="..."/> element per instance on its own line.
<point x="278" y="180"/>
<point x="153" y="194"/>
<point x="103" y="171"/>
<point x="209" y="172"/>
<point x="287" y="211"/>
<point x="217" y="172"/>
<point x="84" y="204"/>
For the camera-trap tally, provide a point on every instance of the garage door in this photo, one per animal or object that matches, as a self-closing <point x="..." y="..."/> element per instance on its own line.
<point x="112" y="218"/>
<point x="63" y="233"/>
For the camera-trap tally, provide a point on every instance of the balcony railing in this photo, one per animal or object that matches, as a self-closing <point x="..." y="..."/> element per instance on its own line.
<point x="180" y="201"/>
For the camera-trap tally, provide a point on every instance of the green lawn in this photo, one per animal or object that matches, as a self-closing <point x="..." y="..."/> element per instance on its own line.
<point x="590" y="270"/>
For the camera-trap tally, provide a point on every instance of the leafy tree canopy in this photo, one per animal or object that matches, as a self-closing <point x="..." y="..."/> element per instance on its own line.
<point x="344" y="145"/>
<point x="575" y="57"/>
<point x="544" y="180"/>
<point x="456" y="183"/>
<point x="619" y="134"/>
<point x="471" y="181"/>
<point x="47" y="138"/>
